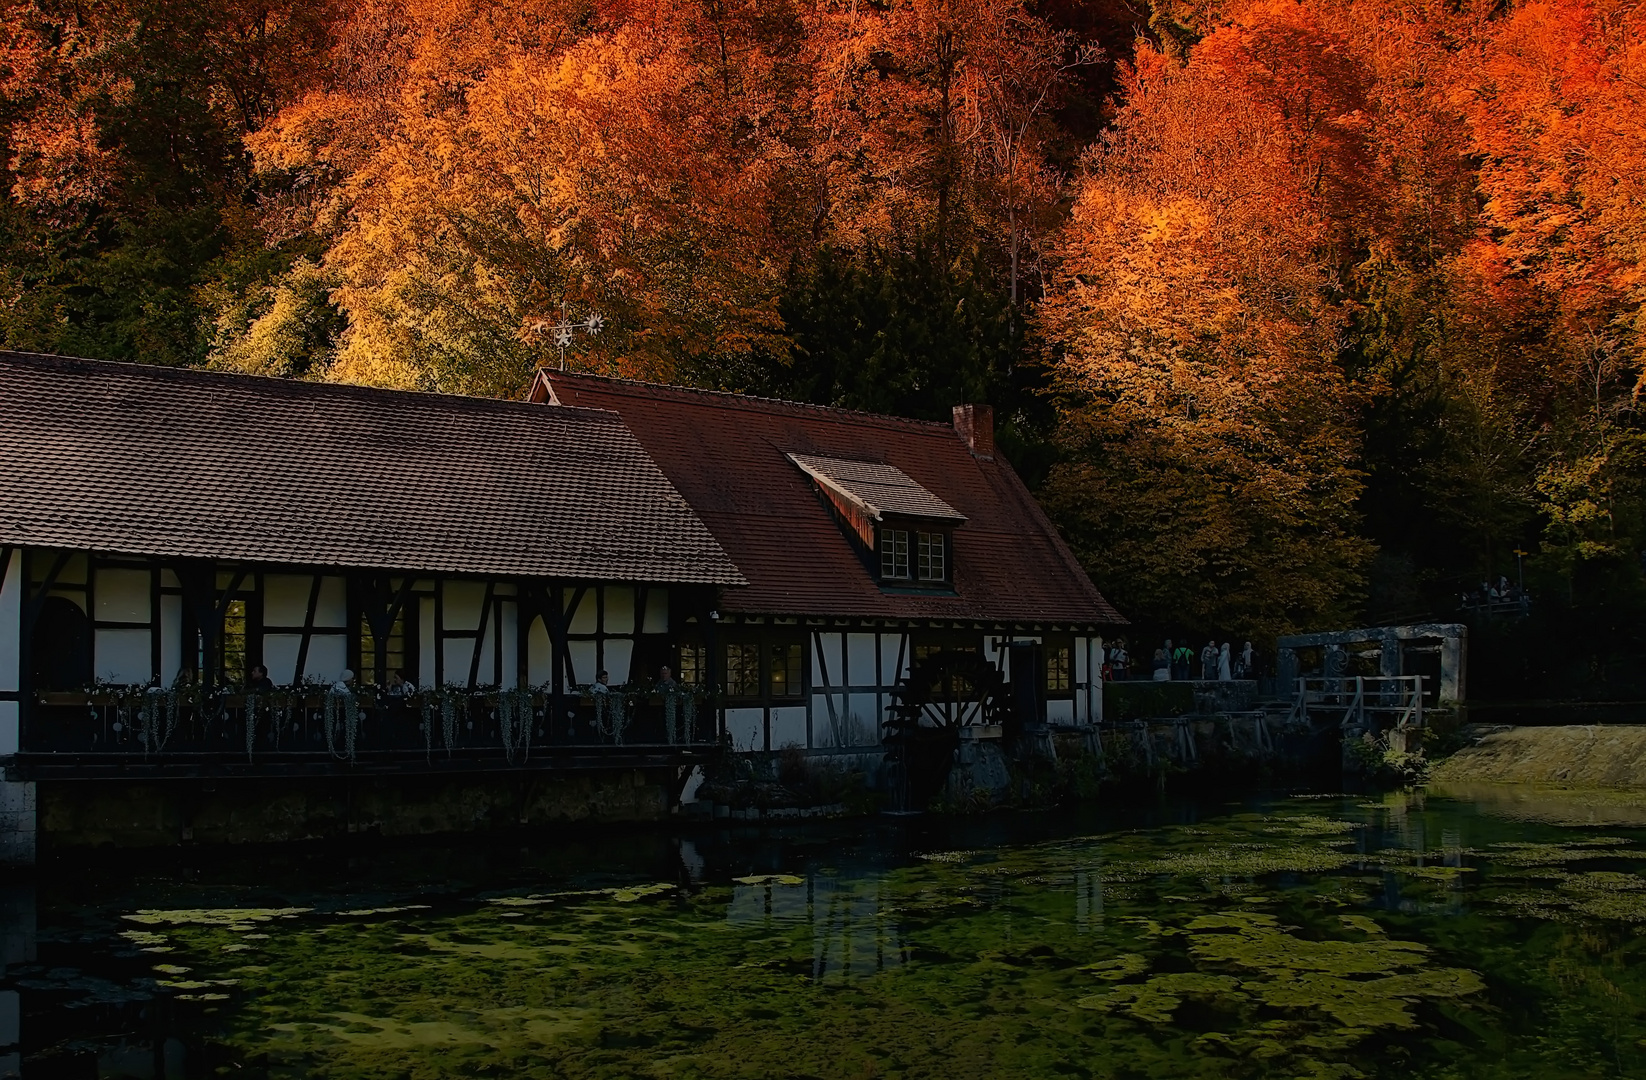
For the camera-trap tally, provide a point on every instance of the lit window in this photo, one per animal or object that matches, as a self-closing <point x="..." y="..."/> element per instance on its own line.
<point x="894" y="553"/>
<point x="394" y="651"/>
<point x="929" y="551"/>
<point x="234" y="642"/>
<point x="1058" y="678"/>
<point x="786" y="670"/>
<point x="742" y="670"/>
<point x="693" y="663"/>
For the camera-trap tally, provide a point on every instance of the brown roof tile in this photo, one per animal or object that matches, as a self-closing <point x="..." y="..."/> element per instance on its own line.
<point x="159" y="461"/>
<point x="730" y="457"/>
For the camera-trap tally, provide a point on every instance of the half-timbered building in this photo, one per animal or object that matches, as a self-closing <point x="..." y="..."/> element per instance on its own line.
<point x="868" y="543"/>
<point x="609" y="576"/>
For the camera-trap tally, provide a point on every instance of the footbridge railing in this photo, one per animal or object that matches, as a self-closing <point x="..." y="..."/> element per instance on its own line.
<point x="1360" y="702"/>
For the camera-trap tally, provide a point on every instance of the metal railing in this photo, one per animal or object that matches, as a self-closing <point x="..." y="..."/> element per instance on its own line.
<point x="294" y="728"/>
<point x="1358" y="702"/>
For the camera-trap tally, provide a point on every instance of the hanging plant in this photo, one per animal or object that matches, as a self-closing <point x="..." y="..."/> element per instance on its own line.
<point x="514" y="721"/>
<point x="448" y="717"/>
<point x="611" y="713"/>
<point x="252" y="702"/>
<point x="342" y="721"/>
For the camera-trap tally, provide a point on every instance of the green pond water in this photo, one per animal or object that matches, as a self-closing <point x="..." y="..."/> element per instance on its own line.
<point x="1494" y="933"/>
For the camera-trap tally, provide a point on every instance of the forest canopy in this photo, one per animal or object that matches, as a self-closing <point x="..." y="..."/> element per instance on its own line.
<point x="1294" y="313"/>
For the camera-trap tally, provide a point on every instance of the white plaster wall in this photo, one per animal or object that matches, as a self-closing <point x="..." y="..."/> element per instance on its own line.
<point x="171" y="638"/>
<point x="852" y="723"/>
<point x="122" y="656"/>
<point x="747" y="728"/>
<point x="891" y="647"/>
<point x="122" y="595"/>
<point x="788" y="727"/>
<point x="865" y="713"/>
<point x="11" y="621"/>
<point x="824" y="723"/>
<point x="285" y="600"/>
<point x="508" y="640"/>
<point x="332" y="609"/>
<point x="586" y="619"/>
<point x="619" y="609"/>
<point x="860" y="669"/>
<point x="827" y="655"/>
<point x="539" y="654"/>
<point x="328" y="657"/>
<point x="427" y="675"/>
<point x="10" y="728"/>
<point x="657" y="612"/>
<point x="280" y="657"/>
<point x="487" y="672"/>
<point x="1060" y="711"/>
<point x="462" y="603"/>
<point x="620" y="660"/>
<point x="583" y="663"/>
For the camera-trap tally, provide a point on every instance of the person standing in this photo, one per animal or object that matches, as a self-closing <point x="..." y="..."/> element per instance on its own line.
<point x="1248" y="663"/>
<point x="1208" y="662"/>
<point x="1162" y="666"/>
<point x="1224" y="674"/>
<point x="1183" y="662"/>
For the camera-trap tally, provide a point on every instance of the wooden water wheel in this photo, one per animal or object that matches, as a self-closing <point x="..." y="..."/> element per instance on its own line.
<point x="942" y="693"/>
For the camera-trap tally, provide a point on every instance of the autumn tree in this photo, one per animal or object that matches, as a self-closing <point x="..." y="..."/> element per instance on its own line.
<point x="1214" y="472"/>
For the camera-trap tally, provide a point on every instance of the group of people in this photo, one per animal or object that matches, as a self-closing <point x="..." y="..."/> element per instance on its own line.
<point x="1182" y="663"/>
<point x="1491" y="593"/>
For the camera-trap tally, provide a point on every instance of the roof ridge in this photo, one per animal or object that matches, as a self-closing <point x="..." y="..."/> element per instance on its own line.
<point x="752" y="399"/>
<point x="252" y="381"/>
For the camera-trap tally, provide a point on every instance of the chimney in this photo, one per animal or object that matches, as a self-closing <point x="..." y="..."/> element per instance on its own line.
<point x="975" y="426"/>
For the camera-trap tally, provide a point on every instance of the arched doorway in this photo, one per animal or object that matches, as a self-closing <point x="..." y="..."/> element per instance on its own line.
<point x="60" y="646"/>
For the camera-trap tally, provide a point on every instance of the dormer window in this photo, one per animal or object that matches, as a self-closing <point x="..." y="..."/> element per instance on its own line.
<point x="903" y="531"/>
<point x="914" y="555"/>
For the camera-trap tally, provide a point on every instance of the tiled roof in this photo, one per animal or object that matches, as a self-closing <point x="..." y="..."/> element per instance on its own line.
<point x="158" y="461"/>
<point x="878" y="488"/>
<point x="730" y="457"/>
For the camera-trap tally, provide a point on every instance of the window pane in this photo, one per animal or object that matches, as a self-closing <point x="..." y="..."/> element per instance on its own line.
<point x="742" y="670"/>
<point x="931" y="552"/>
<point x="894" y="553"/>
<point x="234" y="642"/>
<point x="785" y="670"/>
<point x="692" y="663"/>
<point x="1058" y="679"/>
<point x="394" y="650"/>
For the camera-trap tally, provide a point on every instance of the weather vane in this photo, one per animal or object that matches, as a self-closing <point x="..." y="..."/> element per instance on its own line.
<point x="565" y="329"/>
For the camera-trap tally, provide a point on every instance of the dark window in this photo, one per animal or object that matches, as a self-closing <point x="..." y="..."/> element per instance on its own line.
<point x="894" y="553"/>
<point x="786" y="657"/>
<point x="742" y="669"/>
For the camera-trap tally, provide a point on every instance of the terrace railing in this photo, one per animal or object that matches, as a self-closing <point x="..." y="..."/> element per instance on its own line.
<point x="447" y="729"/>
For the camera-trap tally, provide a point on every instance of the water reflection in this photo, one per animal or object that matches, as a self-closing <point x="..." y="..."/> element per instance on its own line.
<point x="903" y="916"/>
<point x="19" y="933"/>
<point x="852" y="929"/>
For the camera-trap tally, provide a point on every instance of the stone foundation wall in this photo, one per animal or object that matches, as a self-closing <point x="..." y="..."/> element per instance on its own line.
<point x="82" y="813"/>
<point x="17" y="823"/>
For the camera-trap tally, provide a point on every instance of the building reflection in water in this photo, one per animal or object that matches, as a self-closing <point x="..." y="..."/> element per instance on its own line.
<point x="18" y="935"/>
<point x="851" y="929"/>
<point x="1088" y="902"/>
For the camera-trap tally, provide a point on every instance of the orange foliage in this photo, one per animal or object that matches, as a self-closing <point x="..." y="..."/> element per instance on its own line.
<point x="1556" y="103"/>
